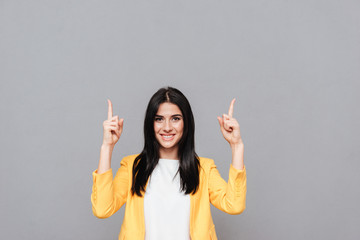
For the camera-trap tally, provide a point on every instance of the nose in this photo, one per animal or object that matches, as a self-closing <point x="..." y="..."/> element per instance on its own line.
<point x="167" y="126"/>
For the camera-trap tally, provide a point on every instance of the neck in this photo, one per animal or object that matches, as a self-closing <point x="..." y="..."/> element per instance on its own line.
<point x="169" y="153"/>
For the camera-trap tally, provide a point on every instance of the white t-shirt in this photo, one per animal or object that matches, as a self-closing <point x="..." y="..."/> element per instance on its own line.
<point x="166" y="209"/>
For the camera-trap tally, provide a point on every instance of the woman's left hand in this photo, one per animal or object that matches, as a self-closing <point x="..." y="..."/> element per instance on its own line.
<point x="230" y="127"/>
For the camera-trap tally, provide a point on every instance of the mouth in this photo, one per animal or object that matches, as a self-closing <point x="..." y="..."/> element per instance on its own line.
<point x="167" y="137"/>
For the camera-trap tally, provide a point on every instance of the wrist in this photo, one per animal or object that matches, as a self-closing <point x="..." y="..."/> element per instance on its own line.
<point x="105" y="146"/>
<point x="237" y="146"/>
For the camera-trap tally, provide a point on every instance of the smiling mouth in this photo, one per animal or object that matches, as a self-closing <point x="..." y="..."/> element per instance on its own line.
<point x="167" y="137"/>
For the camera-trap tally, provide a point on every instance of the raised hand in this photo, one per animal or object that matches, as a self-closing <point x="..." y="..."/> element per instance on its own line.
<point x="230" y="127"/>
<point x="112" y="127"/>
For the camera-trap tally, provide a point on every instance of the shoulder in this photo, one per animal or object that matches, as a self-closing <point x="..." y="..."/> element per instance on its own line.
<point x="129" y="159"/>
<point x="206" y="163"/>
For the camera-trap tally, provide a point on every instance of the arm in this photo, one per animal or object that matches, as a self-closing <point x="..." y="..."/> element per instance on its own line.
<point x="228" y="197"/>
<point x="105" y="158"/>
<point x="109" y="195"/>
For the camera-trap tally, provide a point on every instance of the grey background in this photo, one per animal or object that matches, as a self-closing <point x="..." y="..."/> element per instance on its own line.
<point x="292" y="65"/>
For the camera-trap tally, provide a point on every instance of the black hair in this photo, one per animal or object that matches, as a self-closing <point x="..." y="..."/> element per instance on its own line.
<point x="147" y="160"/>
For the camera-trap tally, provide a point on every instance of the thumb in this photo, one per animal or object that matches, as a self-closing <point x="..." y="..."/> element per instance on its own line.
<point x="221" y="123"/>
<point x="222" y="129"/>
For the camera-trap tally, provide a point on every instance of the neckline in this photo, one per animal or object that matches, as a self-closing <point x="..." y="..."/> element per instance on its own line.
<point x="167" y="159"/>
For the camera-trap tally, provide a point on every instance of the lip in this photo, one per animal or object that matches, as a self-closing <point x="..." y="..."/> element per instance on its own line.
<point x="167" y="139"/>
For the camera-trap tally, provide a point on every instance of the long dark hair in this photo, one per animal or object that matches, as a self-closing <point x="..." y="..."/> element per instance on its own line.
<point x="147" y="160"/>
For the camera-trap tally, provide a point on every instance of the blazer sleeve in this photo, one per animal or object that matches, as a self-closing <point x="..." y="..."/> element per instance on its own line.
<point x="109" y="195"/>
<point x="229" y="197"/>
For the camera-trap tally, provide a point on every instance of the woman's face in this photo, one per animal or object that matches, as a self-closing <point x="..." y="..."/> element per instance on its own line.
<point x="168" y="126"/>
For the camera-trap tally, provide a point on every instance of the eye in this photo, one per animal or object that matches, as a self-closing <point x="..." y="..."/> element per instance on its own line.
<point x="158" y="119"/>
<point x="176" y="119"/>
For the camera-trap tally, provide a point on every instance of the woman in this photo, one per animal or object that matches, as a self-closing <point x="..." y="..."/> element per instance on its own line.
<point x="167" y="188"/>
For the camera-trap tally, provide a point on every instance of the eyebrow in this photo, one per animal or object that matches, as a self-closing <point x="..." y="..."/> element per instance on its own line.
<point x="175" y="115"/>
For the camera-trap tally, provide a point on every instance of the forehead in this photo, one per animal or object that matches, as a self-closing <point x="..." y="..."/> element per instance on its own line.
<point x="167" y="108"/>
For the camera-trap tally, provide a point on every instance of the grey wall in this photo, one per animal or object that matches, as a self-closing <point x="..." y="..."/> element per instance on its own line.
<point x="292" y="65"/>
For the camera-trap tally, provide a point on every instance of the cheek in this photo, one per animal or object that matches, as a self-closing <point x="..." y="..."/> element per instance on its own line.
<point x="156" y="127"/>
<point x="180" y="127"/>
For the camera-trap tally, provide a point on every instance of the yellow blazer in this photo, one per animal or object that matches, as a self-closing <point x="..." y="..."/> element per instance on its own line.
<point x="109" y="195"/>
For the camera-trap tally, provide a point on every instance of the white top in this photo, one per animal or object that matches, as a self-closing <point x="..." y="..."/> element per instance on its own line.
<point x="166" y="209"/>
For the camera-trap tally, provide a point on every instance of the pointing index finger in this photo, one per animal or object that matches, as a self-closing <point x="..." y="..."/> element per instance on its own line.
<point x="110" y="110"/>
<point x="231" y="108"/>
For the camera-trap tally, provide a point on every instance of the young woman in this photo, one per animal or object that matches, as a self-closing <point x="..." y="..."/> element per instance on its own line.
<point x="167" y="188"/>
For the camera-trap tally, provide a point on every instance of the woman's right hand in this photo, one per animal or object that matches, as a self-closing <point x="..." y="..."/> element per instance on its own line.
<point x="112" y="127"/>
